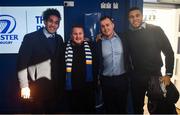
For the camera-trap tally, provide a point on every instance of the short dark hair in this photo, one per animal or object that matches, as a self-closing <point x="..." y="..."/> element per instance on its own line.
<point x="77" y="26"/>
<point x="106" y="17"/>
<point x="134" y="8"/>
<point x="49" y="12"/>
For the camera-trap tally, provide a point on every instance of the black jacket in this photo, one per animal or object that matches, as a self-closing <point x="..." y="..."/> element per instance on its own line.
<point x="43" y="69"/>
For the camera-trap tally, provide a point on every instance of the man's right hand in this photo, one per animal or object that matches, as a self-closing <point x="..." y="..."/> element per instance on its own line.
<point x="98" y="37"/>
<point x="25" y="93"/>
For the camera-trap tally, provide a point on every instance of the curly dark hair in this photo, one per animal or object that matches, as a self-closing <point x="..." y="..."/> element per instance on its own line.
<point x="49" y="12"/>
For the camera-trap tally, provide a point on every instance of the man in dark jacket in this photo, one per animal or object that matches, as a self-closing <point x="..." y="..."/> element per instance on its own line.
<point x="146" y="42"/>
<point x="40" y="64"/>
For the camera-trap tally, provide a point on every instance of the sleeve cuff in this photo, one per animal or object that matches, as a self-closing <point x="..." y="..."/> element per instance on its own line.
<point x="169" y="74"/>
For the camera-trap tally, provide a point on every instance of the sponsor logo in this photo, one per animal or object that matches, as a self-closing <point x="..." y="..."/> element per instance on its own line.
<point x="7" y="24"/>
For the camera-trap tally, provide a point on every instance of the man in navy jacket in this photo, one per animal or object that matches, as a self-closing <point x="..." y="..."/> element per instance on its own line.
<point x="40" y="64"/>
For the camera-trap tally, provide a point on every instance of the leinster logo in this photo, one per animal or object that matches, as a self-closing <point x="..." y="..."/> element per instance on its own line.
<point x="7" y="24"/>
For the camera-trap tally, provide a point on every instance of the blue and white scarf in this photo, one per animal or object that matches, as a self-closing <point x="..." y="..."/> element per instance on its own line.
<point x="69" y="62"/>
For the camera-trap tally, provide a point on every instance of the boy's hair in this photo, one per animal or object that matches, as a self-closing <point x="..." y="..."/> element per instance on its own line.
<point x="49" y="12"/>
<point x="77" y="26"/>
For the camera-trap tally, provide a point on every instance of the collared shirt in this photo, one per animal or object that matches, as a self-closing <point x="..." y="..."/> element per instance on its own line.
<point x="47" y="34"/>
<point x="113" y="59"/>
<point x="52" y="42"/>
<point x="143" y="25"/>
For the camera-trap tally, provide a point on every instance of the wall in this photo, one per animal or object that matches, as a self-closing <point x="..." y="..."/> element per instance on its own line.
<point x="9" y="101"/>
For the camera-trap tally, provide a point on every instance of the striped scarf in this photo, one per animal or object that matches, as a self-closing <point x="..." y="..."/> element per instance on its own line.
<point x="69" y="62"/>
